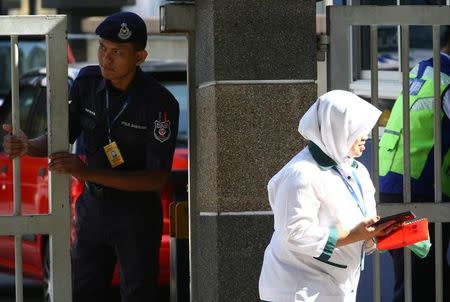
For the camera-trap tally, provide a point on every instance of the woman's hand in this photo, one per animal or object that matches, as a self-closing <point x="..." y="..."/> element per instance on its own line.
<point x="364" y="230"/>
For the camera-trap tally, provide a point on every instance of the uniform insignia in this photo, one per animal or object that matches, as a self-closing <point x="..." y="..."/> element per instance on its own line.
<point x="162" y="128"/>
<point x="124" y="32"/>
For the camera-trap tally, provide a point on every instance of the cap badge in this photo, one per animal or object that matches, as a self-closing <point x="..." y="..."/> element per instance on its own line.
<point x="124" y="32"/>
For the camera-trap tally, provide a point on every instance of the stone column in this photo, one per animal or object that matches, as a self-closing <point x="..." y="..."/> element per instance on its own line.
<point x="255" y="77"/>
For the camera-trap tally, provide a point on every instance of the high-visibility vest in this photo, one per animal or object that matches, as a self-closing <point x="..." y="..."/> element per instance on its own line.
<point x="421" y="105"/>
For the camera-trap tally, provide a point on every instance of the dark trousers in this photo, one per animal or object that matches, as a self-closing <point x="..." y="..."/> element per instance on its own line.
<point x="110" y="232"/>
<point x="423" y="270"/>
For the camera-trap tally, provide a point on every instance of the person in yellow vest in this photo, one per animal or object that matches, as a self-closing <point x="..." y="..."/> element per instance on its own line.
<point x="422" y="167"/>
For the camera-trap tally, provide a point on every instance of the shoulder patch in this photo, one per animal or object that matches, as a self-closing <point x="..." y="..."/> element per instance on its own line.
<point x="161" y="130"/>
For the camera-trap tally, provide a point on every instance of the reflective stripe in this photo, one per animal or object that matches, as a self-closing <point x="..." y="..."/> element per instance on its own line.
<point x="414" y="71"/>
<point x="428" y="75"/>
<point x="423" y="104"/>
<point x="392" y="132"/>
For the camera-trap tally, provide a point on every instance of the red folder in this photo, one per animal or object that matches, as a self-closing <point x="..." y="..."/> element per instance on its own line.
<point x="408" y="234"/>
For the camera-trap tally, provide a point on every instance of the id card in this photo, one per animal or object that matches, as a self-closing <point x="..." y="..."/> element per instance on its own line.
<point x="113" y="154"/>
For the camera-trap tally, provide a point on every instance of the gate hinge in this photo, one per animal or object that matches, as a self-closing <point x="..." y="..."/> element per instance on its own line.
<point x="323" y="40"/>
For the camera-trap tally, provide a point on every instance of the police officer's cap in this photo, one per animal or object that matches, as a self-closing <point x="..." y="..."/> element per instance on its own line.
<point x="123" y="27"/>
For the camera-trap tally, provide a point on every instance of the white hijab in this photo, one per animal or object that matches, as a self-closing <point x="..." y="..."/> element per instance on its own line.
<point x="336" y="120"/>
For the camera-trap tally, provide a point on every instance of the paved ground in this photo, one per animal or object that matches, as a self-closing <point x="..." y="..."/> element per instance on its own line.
<point x="32" y="291"/>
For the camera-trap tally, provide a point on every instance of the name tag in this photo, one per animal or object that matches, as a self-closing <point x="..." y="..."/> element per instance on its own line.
<point x="131" y="125"/>
<point x="89" y="111"/>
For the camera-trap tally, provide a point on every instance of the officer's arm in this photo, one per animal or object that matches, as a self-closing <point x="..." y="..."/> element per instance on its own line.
<point x="142" y="180"/>
<point x="18" y="145"/>
<point x="37" y="147"/>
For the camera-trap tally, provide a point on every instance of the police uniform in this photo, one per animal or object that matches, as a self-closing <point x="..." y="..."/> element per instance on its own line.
<point x="113" y="224"/>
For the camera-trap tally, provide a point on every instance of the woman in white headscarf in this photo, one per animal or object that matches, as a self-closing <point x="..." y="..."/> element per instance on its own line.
<point x="323" y="205"/>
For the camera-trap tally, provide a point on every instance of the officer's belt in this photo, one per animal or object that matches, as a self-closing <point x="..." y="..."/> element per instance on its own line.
<point x="109" y="194"/>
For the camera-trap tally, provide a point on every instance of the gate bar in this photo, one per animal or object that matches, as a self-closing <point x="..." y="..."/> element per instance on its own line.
<point x="406" y="118"/>
<point x="58" y="134"/>
<point x="57" y="223"/>
<point x="375" y="168"/>
<point x="15" y="115"/>
<point x="437" y="162"/>
<point x="340" y="19"/>
<point x="406" y="152"/>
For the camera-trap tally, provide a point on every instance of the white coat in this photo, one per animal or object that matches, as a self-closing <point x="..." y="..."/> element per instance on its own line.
<point x="310" y="200"/>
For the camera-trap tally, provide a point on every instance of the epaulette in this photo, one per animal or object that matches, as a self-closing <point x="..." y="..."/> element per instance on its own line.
<point x="89" y="71"/>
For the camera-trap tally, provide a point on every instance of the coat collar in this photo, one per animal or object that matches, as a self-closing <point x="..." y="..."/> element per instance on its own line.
<point x="324" y="161"/>
<point x="138" y="76"/>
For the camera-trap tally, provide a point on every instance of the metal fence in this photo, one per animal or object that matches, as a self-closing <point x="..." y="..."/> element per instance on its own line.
<point x="341" y="23"/>
<point x="57" y="223"/>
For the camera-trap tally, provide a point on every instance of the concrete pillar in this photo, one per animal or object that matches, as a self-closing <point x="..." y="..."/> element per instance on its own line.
<point x="255" y="77"/>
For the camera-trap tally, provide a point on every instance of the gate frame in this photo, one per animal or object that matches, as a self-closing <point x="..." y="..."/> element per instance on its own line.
<point x="340" y="22"/>
<point x="57" y="223"/>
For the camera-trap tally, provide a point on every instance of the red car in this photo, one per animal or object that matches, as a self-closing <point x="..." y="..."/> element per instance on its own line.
<point x="34" y="172"/>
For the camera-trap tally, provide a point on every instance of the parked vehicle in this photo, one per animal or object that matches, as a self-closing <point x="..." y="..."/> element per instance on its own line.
<point x="34" y="171"/>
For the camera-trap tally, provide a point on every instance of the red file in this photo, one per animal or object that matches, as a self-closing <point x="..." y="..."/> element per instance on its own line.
<point x="408" y="234"/>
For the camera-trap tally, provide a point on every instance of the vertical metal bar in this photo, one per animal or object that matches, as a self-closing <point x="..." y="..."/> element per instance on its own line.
<point x="375" y="167"/>
<point x="15" y="119"/>
<point x="406" y="119"/>
<point x="406" y="150"/>
<point x="407" y="275"/>
<point x="399" y="42"/>
<point x="192" y="171"/>
<point x="351" y="62"/>
<point x="338" y="67"/>
<point x="437" y="115"/>
<point x="375" y="102"/>
<point x="59" y="207"/>
<point x="437" y="161"/>
<point x="16" y="164"/>
<point x="439" y="276"/>
<point x="376" y="277"/>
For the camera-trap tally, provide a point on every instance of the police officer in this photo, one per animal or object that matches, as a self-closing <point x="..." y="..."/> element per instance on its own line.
<point x="422" y="167"/>
<point x="128" y="123"/>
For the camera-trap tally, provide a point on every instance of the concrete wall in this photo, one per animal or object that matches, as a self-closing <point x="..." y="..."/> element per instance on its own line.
<point x="256" y="70"/>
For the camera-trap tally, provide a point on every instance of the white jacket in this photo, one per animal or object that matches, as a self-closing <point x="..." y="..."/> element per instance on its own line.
<point x="309" y="200"/>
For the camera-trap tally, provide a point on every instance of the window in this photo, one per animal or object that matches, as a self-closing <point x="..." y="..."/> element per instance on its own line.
<point x="27" y="101"/>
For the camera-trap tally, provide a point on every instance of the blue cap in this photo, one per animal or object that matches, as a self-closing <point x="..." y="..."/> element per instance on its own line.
<point x="123" y="27"/>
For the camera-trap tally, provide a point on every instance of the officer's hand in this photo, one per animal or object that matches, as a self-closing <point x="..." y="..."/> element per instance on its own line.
<point x="67" y="163"/>
<point x="15" y="146"/>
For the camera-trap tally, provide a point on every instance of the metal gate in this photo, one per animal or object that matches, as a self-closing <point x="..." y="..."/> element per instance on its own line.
<point x="341" y="26"/>
<point x="57" y="223"/>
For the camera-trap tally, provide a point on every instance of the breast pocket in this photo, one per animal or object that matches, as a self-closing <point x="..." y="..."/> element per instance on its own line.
<point x="93" y="134"/>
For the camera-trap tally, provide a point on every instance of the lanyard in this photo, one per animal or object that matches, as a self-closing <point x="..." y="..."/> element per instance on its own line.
<point x="108" y="113"/>
<point x="360" y="204"/>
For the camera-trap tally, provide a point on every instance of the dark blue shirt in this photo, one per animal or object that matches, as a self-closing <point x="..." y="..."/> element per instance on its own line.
<point x="145" y="132"/>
